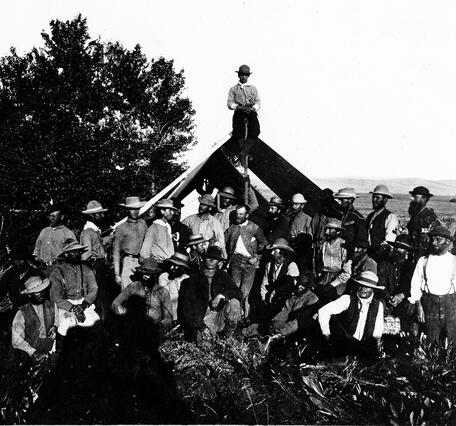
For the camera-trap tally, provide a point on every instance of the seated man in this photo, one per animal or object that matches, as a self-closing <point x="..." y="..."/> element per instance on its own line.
<point x="198" y="246"/>
<point x="395" y="272"/>
<point x="279" y="279"/>
<point x="74" y="289"/>
<point x="157" y="299"/>
<point x="178" y="270"/>
<point x="35" y="324"/>
<point x="358" y="327"/>
<point x="209" y="301"/>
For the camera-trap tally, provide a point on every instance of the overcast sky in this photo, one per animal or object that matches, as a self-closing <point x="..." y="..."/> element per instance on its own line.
<point x="348" y="88"/>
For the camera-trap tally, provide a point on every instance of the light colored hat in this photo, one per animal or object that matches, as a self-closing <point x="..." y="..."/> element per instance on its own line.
<point x="280" y="243"/>
<point x="345" y="193"/>
<point x="132" y="203"/>
<point x="196" y="239"/>
<point x="94" y="207"/>
<point x="72" y="245"/>
<point x="35" y="285"/>
<point x="227" y="192"/>
<point x="276" y="201"/>
<point x="207" y="200"/>
<point x="382" y="190"/>
<point x="334" y="224"/>
<point x="298" y="198"/>
<point x="368" y="279"/>
<point x="165" y="203"/>
<point x="180" y="259"/>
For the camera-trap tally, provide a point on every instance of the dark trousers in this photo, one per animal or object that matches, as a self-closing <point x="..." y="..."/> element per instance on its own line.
<point x="253" y="129"/>
<point x="243" y="273"/>
<point x="440" y="316"/>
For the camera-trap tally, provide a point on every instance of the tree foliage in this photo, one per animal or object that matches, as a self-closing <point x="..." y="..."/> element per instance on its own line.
<point x="82" y="119"/>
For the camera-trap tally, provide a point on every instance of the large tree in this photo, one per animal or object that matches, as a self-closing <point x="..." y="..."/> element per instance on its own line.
<point x="81" y="119"/>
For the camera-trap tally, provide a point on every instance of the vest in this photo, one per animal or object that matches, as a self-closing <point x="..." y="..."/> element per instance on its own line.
<point x="377" y="231"/>
<point x="351" y="317"/>
<point x="283" y="271"/>
<point x="32" y="326"/>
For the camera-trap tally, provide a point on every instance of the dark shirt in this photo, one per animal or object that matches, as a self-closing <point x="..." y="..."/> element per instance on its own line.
<point x="396" y="276"/>
<point x="418" y="228"/>
<point x="279" y="227"/>
<point x="354" y="226"/>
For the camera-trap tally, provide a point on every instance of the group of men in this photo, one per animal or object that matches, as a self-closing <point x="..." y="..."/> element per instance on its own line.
<point x="219" y="272"/>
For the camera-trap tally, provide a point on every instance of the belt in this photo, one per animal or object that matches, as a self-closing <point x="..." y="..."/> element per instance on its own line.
<point x="241" y="255"/>
<point x="134" y="256"/>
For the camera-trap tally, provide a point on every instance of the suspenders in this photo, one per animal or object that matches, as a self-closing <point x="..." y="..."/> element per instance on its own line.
<point x="453" y="276"/>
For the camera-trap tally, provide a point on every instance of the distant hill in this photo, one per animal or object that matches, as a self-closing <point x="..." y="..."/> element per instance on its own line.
<point x="396" y="186"/>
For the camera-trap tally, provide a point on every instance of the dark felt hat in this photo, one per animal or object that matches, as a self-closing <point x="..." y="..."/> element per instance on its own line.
<point x="441" y="231"/>
<point x="214" y="252"/>
<point x="421" y="190"/>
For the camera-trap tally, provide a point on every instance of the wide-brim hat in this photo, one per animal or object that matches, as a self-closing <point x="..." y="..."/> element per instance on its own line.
<point x="276" y="201"/>
<point x="180" y="259"/>
<point x="345" y="193"/>
<point x="132" y="203"/>
<point x="35" y="285"/>
<point x="72" y="245"/>
<point x="368" y="279"/>
<point x="165" y="203"/>
<point x="195" y="239"/>
<point x="94" y="207"/>
<point x="214" y="252"/>
<point x="382" y="190"/>
<point x="402" y="241"/>
<point x="207" y="200"/>
<point x="244" y="69"/>
<point x="177" y="203"/>
<point x="421" y="190"/>
<point x="357" y="243"/>
<point x="325" y="194"/>
<point x="280" y="243"/>
<point x="149" y="266"/>
<point x="227" y="192"/>
<point x="440" y="231"/>
<point x="333" y="224"/>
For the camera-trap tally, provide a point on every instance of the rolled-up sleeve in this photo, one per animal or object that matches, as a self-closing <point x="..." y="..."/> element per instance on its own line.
<point x="332" y="308"/>
<point x="18" y="335"/>
<point x="379" y="323"/>
<point x="417" y="282"/>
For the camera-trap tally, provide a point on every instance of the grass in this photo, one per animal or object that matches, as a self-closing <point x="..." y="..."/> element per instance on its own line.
<point x="235" y="383"/>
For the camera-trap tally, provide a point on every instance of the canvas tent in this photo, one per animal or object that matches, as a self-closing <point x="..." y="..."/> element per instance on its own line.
<point x="218" y="168"/>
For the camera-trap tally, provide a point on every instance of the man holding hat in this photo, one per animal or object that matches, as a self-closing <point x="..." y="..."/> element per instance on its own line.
<point x="395" y="273"/>
<point x="382" y="225"/>
<point x="228" y="202"/>
<point x="209" y="301"/>
<point x="74" y="289"/>
<point x="352" y="220"/>
<point x="198" y="246"/>
<point x="178" y="270"/>
<point x="422" y="220"/>
<point x="35" y="325"/>
<point x="128" y="240"/>
<point x="243" y="98"/>
<point x="49" y="243"/>
<point x="333" y="268"/>
<point x="205" y="223"/>
<point x="158" y="243"/>
<point x="278" y="222"/>
<point x="157" y="299"/>
<point x="360" y="318"/>
<point x="433" y="287"/>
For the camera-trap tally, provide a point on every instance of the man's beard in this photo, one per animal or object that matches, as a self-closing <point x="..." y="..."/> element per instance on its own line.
<point x="414" y="208"/>
<point x="437" y="250"/>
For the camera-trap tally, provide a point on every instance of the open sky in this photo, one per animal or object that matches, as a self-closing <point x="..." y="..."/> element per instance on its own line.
<point x="348" y="88"/>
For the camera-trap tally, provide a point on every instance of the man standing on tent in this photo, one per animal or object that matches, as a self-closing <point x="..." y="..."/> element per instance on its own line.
<point x="245" y="101"/>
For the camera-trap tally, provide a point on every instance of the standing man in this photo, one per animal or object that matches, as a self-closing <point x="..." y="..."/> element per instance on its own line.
<point x="301" y="233"/>
<point x="228" y="202"/>
<point x="179" y="231"/>
<point x="433" y="287"/>
<point x="128" y="240"/>
<point x="205" y="223"/>
<point x="422" y="220"/>
<point x="74" y="289"/>
<point x="352" y="220"/>
<point x="49" y="244"/>
<point x="245" y="101"/>
<point x="278" y="222"/>
<point x="209" y="301"/>
<point x="245" y="241"/>
<point x="95" y="255"/>
<point x="158" y="242"/>
<point x="382" y="225"/>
